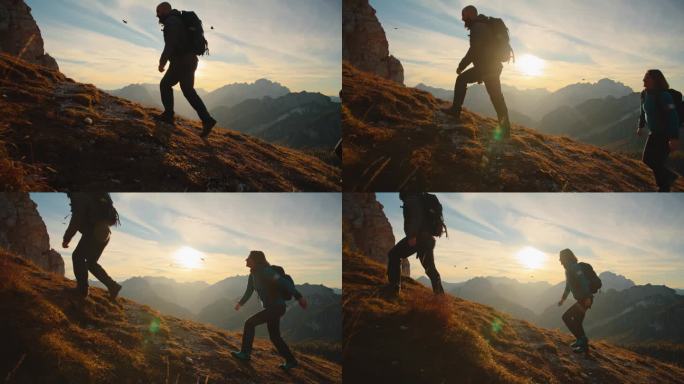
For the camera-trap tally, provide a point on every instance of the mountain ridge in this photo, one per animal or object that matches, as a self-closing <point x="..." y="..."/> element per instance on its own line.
<point x="99" y="341"/>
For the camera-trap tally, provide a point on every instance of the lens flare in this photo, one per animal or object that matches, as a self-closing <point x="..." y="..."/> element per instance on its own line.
<point x="154" y="325"/>
<point x="530" y="65"/>
<point x="497" y="325"/>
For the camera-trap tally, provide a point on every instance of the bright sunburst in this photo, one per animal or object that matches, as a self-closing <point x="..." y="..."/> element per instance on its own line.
<point x="189" y="258"/>
<point x="531" y="258"/>
<point x="530" y="65"/>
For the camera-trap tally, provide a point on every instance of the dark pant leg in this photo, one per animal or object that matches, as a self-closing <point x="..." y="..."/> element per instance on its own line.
<point x="573" y="319"/>
<point x="171" y="78"/>
<point x="426" y="255"/>
<point x="655" y="155"/>
<point x="493" y="86"/>
<point x="78" y="260"/>
<point x="95" y="249"/>
<point x="273" y="325"/>
<point x="470" y="76"/>
<point x="248" y="332"/>
<point x="400" y="251"/>
<point x="187" y="84"/>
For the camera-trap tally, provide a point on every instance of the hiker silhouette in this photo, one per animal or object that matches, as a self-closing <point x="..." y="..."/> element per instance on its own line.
<point x="581" y="280"/>
<point x="273" y="287"/>
<point x="91" y="214"/>
<point x="662" y="112"/>
<point x="420" y="230"/>
<point x="489" y="46"/>
<point x="179" y="50"/>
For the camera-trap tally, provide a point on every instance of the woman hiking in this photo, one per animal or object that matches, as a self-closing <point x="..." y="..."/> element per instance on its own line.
<point x="577" y="282"/>
<point x="269" y="285"/>
<point x="659" y="113"/>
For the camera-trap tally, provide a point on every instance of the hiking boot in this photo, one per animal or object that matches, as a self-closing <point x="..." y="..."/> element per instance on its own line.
<point x="289" y="365"/>
<point x="575" y="344"/>
<point x="79" y="292"/>
<point x="164" y="118"/>
<point x="391" y="291"/>
<point x="244" y="356"/>
<point x="582" y="345"/>
<point x="207" y="127"/>
<point x="451" y="111"/>
<point x="114" y="292"/>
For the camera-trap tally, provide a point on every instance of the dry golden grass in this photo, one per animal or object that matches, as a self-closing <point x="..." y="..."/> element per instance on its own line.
<point x="124" y="149"/>
<point x="396" y="138"/>
<point x="49" y="336"/>
<point x="428" y="339"/>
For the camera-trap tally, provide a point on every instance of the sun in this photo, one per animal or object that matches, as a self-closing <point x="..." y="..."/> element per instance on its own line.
<point x="530" y="65"/>
<point x="188" y="258"/>
<point x="531" y="258"/>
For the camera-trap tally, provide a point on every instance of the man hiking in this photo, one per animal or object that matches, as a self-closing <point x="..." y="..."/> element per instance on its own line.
<point x="91" y="214"/>
<point x="183" y="61"/>
<point x="487" y="50"/>
<point x="659" y="112"/>
<point x="419" y="240"/>
<point x="577" y="281"/>
<point x="273" y="288"/>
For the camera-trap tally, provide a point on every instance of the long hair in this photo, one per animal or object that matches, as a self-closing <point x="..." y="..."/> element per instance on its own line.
<point x="258" y="258"/>
<point x="659" y="79"/>
<point x="566" y="255"/>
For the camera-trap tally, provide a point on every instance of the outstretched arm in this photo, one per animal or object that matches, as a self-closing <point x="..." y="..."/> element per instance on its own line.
<point x="248" y="291"/>
<point x="75" y="222"/>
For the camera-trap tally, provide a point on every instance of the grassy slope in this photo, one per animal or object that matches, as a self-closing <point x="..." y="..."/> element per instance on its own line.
<point x="421" y="338"/>
<point x="45" y="144"/>
<point x="98" y="341"/>
<point x="396" y="137"/>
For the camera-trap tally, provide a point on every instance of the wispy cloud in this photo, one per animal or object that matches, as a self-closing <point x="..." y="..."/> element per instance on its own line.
<point x="618" y="39"/>
<point x="637" y="235"/>
<point x="299" y="231"/>
<point x="297" y="43"/>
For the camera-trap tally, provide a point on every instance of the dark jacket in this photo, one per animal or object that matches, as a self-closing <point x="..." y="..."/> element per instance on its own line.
<point x="82" y="206"/>
<point x="414" y="214"/>
<point x="659" y="113"/>
<point x="268" y="283"/>
<point x="576" y="282"/>
<point x="480" y="52"/>
<point x="176" y="40"/>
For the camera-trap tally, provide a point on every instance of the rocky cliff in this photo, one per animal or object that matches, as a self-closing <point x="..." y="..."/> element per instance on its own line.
<point x="366" y="228"/>
<point x="23" y="231"/>
<point x="20" y="35"/>
<point x="364" y="44"/>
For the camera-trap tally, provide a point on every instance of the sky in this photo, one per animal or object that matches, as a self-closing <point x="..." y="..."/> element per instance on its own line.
<point x="168" y="234"/>
<point x="575" y="40"/>
<point x="297" y="43"/>
<point x="635" y="235"/>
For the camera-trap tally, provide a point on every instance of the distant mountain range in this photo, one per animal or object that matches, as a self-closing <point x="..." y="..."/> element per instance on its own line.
<point x="622" y="312"/>
<point x="213" y="304"/>
<point x="226" y="96"/>
<point x="528" y="107"/>
<point x="298" y="120"/>
<point x="264" y="109"/>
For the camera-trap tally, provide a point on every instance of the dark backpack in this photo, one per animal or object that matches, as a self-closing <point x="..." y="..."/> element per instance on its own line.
<point x="433" y="215"/>
<point x="197" y="43"/>
<point x="284" y="293"/>
<point x="662" y="111"/>
<point x="103" y="210"/>
<point x="501" y="44"/>
<point x="594" y="281"/>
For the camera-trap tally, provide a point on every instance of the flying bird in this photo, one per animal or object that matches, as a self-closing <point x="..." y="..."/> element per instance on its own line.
<point x="125" y="21"/>
<point x="212" y="27"/>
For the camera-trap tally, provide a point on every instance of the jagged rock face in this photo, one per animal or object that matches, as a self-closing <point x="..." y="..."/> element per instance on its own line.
<point x="20" y="36"/>
<point x="364" y="44"/>
<point x="23" y="232"/>
<point x="366" y="228"/>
